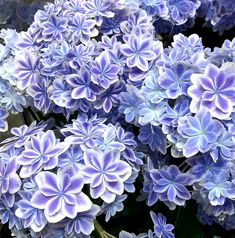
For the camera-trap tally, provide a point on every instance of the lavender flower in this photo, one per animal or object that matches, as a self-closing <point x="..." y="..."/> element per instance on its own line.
<point x="104" y="73"/>
<point x="54" y="28"/>
<point x="110" y="209"/>
<point x="201" y="131"/>
<point x="60" y="195"/>
<point x="3" y="123"/>
<point x="73" y="158"/>
<point x="9" y="180"/>
<point x="214" y="90"/>
<point x="161" y="228"/>
<point x="175" y="80"/>
<point x="31" y="216"/>
<point x="82" y="85"/>
<point x="82" y="29"/>
<point x="138" y="50"/>
<point x="41" y="153"/>
<point x="170" y="184"/>
<point x="27" y="69"/>
<point x="98" y="9"/>
<point x="154" y="137"/>
<point x="82" y="223"/>
<point x="106" y="173"/>
<point x="219" y="188"/>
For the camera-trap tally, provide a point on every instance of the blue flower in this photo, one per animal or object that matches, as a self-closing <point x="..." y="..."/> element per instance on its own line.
<point x="98" y="9"/>
<point x="201" y="131"/>
<point x="161" y="228"/>
<point x="138" y="50"/>
<point x="7" y="214"/>
<point x="190" y="45"/>
<point x="22" y="134"/>
<point x="3" y="123"/>
<point x="73" y="157"/>
<point x="214" y="90"/>
<point x="148" y="184"/>
<point x="72" y="6"/>
<point x="175" y="80"/>
<point x="156" y="8"/>
<point x="27" y="69"/>
<point x="105" y="173"/>
<point x="82" y="223"/>
<point x="151" y="113"/>
<point x="180" y="10"/>
<point x="13" y="101"/>
<point x="170" y="184"/>
<point x="83" y="133"/>
<point x="82" y="29"/>
<point x="60" y="93"/>
<point x="9" y="180"/>
<point x="109" y="98"/>
<point x="154" y="137"/>
<point x="224" y="147"/>
<point x="31" y="216"/>
<point x="41" y="153"/>
<point x="38" y="92"/>
<point x="103" y="72"/>
<point x="110" y="209"/>
<point x="55" y="28"/>
<point x="151" y="89"/>
<point x="60" y="195"/>
<point x="82" y="86"/>
<point x="203" y="165"/>
<point x="107" y="141"/>
<point x="129" y="104"/>
<point x="219" y="188"/>
<point x="81" y="55"/>
<point x="112" y="25"/>
<point x="171" y="116"/>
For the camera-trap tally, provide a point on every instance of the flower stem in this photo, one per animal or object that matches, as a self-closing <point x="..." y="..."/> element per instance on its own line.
<point x="101" y="231"/>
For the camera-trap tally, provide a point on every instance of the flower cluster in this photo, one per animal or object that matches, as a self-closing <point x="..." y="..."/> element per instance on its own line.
<point x="121" y="110"/>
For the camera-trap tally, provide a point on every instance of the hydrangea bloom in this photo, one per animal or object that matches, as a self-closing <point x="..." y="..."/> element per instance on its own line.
<point x="31" y="216"/>
<point x="42" y="152"/>
<point x="27" y="69"/>
<point x="83" y="58"/>
<point x="60" y="195"/>
<point x="175" y="80"/>
<point x="201" y="131"/>
<point x="219" y="187"/>
<point x="138" y="50"/>
<point x="214" y="90"/>
<point x="104" y="73"/>
<point x="3" y="123"/>
<point x="154" y="137"/>
<point x="170" y="184"/>
<point x="82" y="28"/>
<point x="180" y="11"/>
<point x="83" y="222"/>
<point x="9" y="180"/>
<point x="110" y="209"/>
<point x="161" y="228"/>
<point x="106" y="173"/>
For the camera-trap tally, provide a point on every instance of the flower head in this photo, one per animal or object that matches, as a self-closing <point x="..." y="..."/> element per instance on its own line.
<point x="161" y="228"/>
<point x="60" y="195"/>
<point x="106" y="173"/>
<point x="214" y="90"/>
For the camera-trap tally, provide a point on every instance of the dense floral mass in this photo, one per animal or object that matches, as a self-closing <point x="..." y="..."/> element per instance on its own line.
<point x="110" y="110"/>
